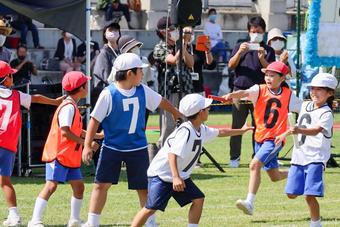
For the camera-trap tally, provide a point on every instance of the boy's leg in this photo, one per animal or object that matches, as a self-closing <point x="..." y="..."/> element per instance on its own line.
<point x="9" y="192"/>
<point x="76" y="200"/>
<point x="142" y="216"/>
<point x="195" y="211"/>
<point x="314" y="210"/>
<point x="277" y="174"/>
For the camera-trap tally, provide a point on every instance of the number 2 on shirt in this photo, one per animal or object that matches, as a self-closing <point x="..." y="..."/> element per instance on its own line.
<point x="135" y="109"/>
<point x="5" y="113"/>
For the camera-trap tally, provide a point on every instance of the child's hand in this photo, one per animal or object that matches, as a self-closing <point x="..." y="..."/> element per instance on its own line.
<point x="177" y="115"/>
<point x="59" y="100"/>
<point x="178" y="184"/>
<point x="87" y="155"/>
<point x="246" y="128"/>
<point x="227" y="98"/>
<point x="99" y="135"/>
<point x="279" y="139"/>
<point x="95" y="146"/>
<point x="293" y="130"/>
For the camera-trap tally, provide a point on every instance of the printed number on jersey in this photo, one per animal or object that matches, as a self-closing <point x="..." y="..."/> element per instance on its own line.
<point x="134" y="104"/>
<point x="5" y="113"/>
<point x="307" y="119"/>
<point x="197" y="149"/>
<point x="271" y="114"/>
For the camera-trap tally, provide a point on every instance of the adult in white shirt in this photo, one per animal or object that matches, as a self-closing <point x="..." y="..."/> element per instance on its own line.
<point x="214" y="32"/>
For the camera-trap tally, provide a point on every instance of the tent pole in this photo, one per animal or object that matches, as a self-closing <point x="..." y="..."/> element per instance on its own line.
<point x="88" y="57"/>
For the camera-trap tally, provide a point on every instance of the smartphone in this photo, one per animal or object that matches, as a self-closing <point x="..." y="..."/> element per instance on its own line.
<point x="253" y="46"/>
<point x="200" y="42"/>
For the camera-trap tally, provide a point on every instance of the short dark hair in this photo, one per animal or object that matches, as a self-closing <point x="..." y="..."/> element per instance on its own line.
<point x="212" y="10"/>
<point x="256" y="22"/>
<point x="121" y="75"/>
<point x="113" y="26"/>
<point x="75" y="91"/>
<point x="193" y="117"/>
<point x="21" y="46"/>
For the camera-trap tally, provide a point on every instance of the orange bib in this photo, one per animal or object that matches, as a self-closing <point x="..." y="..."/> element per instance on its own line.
<point x="58" y="147"/>
<point x="271" y="113"/>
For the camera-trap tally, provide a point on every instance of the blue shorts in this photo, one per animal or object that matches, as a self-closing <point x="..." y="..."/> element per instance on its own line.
<point x="59" y="173"/>
<point x="110" y="162"/>
<point x="306" y="180"/>
<point x="159" y="193"/>
<point x="7" y="159"/>
<point x="267" y="153"/>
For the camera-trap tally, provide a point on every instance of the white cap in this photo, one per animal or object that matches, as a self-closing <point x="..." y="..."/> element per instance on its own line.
<point x="324" y="80"/>
<point x="275" y="32"/>
<point x="192" y="104"/>
<point x="128" y="61"/>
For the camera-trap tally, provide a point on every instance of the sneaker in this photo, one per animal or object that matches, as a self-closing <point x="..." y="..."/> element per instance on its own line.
<point x="245" y="206"/>
<point x="12" y="221"/>
<point x="151" y="224"/>
<point x="87" y="225"/>
<point x="35" y="224"/>
<point x="74" y="223"/>
<point x="234" y="163"/>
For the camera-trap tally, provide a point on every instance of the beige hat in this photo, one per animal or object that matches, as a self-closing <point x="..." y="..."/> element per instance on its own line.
<point x="5" y="28"/>
<point x="275" y="32"/>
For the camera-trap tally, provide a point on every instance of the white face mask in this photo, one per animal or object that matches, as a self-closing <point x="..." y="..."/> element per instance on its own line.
<point x="174" y="35"/>
<point x="277" y="44"/>
<point x="2" y="40"/>
<point x="135" y="50"/>
<point x="111" y="36"/>
<point x="256" y="37"/>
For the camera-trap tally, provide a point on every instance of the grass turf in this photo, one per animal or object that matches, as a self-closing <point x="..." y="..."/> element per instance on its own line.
<point x="272" y="207"/>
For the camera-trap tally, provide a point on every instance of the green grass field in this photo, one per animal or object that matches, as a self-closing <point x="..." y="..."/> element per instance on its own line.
<point x="272" y="208"/>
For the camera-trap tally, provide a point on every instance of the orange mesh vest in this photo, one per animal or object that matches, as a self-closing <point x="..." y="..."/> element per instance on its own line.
<point x="66" y="151"/>
<point x="271" y="113"/>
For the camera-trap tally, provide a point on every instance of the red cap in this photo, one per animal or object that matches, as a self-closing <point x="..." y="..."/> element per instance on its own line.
<point x="6" y="69"/>
<point x="278" y="67"/>
<point x="73" y="80"/>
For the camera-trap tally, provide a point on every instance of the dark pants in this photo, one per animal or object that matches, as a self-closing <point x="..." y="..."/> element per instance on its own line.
<point x="240" y="115"/>
<point x="24" y="27"/>
<point x="112" y="13"/>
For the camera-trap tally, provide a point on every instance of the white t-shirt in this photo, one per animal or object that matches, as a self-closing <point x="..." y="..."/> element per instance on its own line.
<point x="186" y="143"/>
<point x="25" y="99"/>
<point x="66" y="115"/>
<point x="214" y="32"/>
<point x="314" y="148"/>
<point x="294" y="102"/>
<point x="104" y="104"/>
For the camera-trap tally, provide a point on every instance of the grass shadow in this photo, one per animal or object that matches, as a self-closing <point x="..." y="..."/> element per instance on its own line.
<point x="307" y="219"/>
<point x="206" y="176"/>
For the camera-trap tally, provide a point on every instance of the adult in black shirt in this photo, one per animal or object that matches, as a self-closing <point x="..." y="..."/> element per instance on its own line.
<point x="247" y="64"/>
<point x="23" y="65"/>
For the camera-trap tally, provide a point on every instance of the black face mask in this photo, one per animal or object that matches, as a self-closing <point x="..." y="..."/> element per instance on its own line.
<point x="21" y="57"/>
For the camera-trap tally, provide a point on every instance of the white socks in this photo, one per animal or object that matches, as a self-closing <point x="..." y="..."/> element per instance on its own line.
<point x="13" y="212"/>
<point x="192" y="225"/>
<point x="250" y="198"/>
<point x="93" y="219"/>
<point x="75" y="208"/>
<point x="315" y="223"/>
<point x="39" y="208"/>
<point x="151" y="219"/>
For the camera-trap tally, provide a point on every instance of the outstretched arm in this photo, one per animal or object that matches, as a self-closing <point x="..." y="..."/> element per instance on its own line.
<point x="45" y="100"/>
<point x="167" y="106"/>
<point x="234" y="132"/>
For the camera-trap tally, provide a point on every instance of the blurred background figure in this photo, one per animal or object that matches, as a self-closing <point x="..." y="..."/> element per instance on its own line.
<point x="5" y="30"/>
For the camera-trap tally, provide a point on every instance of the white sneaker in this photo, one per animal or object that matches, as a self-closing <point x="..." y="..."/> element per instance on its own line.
<point x="234" y="163"/>
<point x="35" y="224"/>
<point x="74" y="223"/>
<point x="245" y="206"/>
<point x="12" y="221"/>
<point x="151" y="223"/>
<point x="87" y="225"/>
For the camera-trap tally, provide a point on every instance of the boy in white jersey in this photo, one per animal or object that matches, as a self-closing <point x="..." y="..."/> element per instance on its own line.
<point x="170" y="170"/>
<point x="310" y="156"/>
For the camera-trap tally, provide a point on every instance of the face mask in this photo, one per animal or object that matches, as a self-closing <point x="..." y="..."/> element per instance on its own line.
<point x="256" y="37"/>
<point x="174" y="35"/>
<point x="135" y="50"/>
<point x="212" y="17"/>
<point x="2" y="40"/>
<point x="111" y="36"/>
<point x="277" y="44"/>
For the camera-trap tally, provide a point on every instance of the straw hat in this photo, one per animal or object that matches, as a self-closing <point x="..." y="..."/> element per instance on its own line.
<point x="5" y="28"/>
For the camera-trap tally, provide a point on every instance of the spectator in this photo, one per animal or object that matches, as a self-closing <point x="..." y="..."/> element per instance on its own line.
<point x="66" y="53"/>
<point x="94" y="52"/>
<point x="165" y="54"/>
<point x="25" y="24"/>
<point x="202" y="59"/>
<point x="5" y="30"/>
<point x="247" y="65"/>
<point x="24" y="66"/>
<point x="278" y="41"/>
<point x="105" y="59"/>
<point x="115" y="10"/>
<point x="214" y="32"/>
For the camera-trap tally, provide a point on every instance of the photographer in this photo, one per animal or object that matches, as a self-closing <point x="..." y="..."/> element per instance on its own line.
<point x="164" y="54"/>
<point x="247" y="59"/>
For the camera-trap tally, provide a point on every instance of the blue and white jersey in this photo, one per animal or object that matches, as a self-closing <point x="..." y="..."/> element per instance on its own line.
<point x="122" y="114"/>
